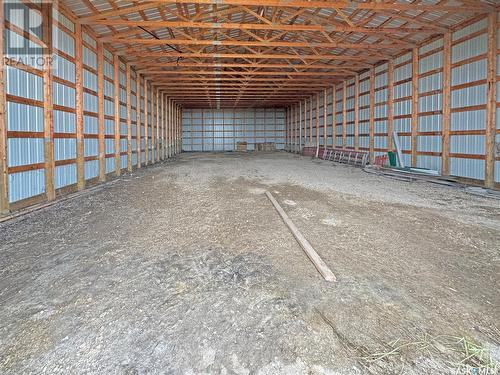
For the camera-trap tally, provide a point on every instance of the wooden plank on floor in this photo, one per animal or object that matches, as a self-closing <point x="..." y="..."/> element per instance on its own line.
<point x="320" y="265"/>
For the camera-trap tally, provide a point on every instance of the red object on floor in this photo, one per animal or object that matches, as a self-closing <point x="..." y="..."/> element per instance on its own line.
<point x="381" y="160"/>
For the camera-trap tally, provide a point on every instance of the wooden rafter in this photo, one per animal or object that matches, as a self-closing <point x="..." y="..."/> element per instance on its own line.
<point x="263" y="48"/>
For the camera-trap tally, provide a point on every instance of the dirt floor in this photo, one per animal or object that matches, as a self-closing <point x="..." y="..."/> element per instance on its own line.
<point x="186" y="268"/>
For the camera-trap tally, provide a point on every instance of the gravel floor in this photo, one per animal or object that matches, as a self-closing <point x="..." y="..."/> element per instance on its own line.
<point x="186" y="268"/>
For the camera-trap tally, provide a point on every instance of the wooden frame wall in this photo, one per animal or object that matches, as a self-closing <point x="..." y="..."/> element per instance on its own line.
<point x="122" y="135"/>
<point x="416" y="132"/>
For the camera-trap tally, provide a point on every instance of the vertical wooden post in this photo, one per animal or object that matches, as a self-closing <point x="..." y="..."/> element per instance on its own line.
<point x="100" y="111"/>
<point x="414" y="107"/>
<point x="157" y="125"/>
<point x="168" y="127"/>
<point x="317" y="120"/>
<point x="317" y="124"/>
<point x="169" y="124"/>
<point x="356" y="112"/>
<point x="287" y="125"/>
<point x="492" y="100"/>
<point x="334" y="115"/>
<point x="154" y="123"/>
<point x="172" y="116"/>
<point x="165" y="134"/>
<point x="177" y="117"/>
<point x="297" y="126"/>
<point x="129" y="118"/>
<point x="300" y="127"/>
<point x="293" y="126"/>
<point x="4" y="178"/>
<point x="174" y="130"/>
<point x="171" y="127"/>
<point x="48" y="114"/>
<point x="311" y="121"/>
<point x="138" y="127"/>
<point x="165" y="124"/>
<point x="162" y="126"/>
<point x="325" y="133"/>
<point x="116" y="82"/>
<point x="445" y="145"/>
<point x="344" y="115"/>
<point x="146" y="123"/>
<point x="371" y="125"/>
<point x="80" y="149"/>
<point x="179" y="131"/>
<point x="390" y="103"/>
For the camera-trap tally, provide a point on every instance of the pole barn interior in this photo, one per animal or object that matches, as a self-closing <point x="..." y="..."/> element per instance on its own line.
<point x="249" y="186"/>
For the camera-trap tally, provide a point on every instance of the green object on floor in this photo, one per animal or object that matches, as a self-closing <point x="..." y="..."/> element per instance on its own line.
<point x="392" y="159"/>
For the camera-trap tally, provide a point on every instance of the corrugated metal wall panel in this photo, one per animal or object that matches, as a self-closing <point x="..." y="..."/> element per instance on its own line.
<point x="220" y="130"/>
<point x="24" y="185"/>
<point x="23" y="117"/>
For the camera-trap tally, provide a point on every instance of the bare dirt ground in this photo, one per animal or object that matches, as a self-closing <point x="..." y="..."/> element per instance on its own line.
<point x="186" y="268"/>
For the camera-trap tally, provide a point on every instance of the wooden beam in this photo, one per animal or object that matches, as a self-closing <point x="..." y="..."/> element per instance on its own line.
<point x="320" y="265"/>
<point x="371" y="126"/>
<point x="266" y="56"/>
<point x="258" y="26"/>
<point x="341" y="4"/>
<point x="80" y="146"/>
<point x="215" y="64"/>
<point x="129" y="118"/>
<point x="414" y="107"/>
<point x="4" y="178"/>
<point x="491" y="106"/>
<point x="116" y="82"/>
<point x="265" y="43"/>
<point x="445" y="147"/>
<point x="239" y="73"/>
<point x="48" y="112"/>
